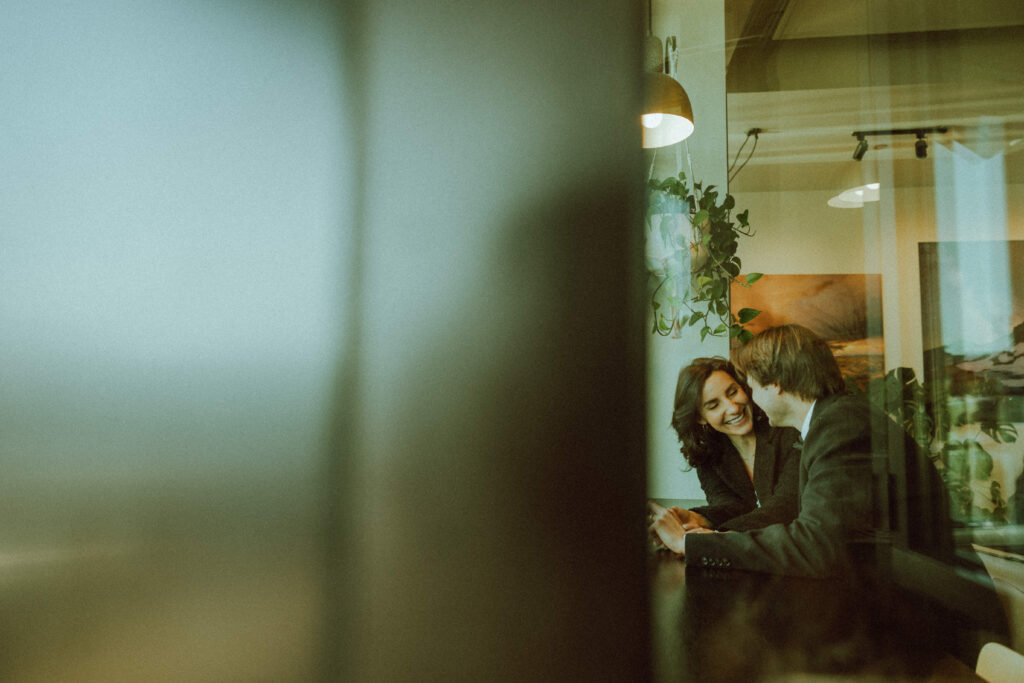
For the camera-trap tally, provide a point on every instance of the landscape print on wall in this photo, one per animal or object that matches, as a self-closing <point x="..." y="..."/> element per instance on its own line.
<point x="845" y="309"/>
<point x="972" y="316"/>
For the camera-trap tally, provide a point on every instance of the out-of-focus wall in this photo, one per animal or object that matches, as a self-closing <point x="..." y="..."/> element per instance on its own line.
<point x="321" y="358"/>
<point x="171" y="253"/>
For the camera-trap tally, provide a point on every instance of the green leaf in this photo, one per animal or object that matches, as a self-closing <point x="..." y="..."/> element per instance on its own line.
<point x="747" y="314"/>
<point x="694" y="318"/>
<point x="729" y="202"/>
<point x="1007" y="433"/>
<point x="704" y="332"/>
<point x="754" y="277"/>
<point x="745" y="336"/>
<point x="735" y="331"/>
<point x="720" y="329"/>
<point x="699" y="217"/>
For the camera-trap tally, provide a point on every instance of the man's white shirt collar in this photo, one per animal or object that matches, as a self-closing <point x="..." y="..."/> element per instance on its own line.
<point x="807" y="421"/>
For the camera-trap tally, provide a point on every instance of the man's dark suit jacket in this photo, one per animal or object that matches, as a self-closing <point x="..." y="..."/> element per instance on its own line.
<point x="835" y="489"/>
<point x="734" y="503"/>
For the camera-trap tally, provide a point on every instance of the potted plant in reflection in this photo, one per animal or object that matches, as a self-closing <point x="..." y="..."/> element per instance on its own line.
<point x="691" y="245"/>
<point x="949" y="429"/>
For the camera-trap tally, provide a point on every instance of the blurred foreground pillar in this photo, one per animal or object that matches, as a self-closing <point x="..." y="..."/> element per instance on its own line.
<point x="493" y="409"/>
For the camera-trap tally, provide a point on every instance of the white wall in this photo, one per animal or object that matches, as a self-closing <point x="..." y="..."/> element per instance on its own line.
<point x="797" y="232"/>
<point x="701" y="37"/>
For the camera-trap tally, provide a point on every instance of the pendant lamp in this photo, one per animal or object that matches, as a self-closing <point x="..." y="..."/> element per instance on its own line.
<point x="667" y="114"/>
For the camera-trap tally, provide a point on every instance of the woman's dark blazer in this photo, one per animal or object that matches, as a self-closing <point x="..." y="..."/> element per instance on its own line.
<point x="736" y="504"/>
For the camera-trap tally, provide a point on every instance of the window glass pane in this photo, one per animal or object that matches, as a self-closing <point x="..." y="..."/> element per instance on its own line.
<point x="875" y="149"/>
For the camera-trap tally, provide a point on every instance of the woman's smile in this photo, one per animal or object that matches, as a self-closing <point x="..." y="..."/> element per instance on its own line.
<point x="736" y="420"/>
<point x="725" y="406"/>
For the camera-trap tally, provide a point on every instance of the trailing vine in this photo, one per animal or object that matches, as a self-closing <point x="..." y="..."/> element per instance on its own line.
<point x="697" y="295"/>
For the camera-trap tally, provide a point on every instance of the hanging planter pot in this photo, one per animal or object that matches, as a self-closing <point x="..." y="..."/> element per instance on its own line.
<point x="691" y="256"/>
<point x="699" y="254"/>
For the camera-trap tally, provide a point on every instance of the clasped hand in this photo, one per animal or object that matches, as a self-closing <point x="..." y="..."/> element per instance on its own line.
<point x="668" y="526"/>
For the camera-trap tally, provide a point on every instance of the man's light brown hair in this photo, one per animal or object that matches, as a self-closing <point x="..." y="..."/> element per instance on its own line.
<point x="792" y="357"/>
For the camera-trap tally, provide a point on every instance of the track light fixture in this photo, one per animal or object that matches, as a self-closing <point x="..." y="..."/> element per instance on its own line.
<point x="862" y="147"/>
<point x="920" y="146"/>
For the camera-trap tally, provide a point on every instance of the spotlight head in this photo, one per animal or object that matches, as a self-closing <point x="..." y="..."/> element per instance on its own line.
<point x="862" y="148"/>
<point x="921" y="147"/>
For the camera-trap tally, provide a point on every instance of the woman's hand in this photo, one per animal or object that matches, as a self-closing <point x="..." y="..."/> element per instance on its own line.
<point x="691" y="520"/>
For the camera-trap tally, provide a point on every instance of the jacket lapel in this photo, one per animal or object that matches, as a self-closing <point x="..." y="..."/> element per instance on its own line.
<point x="730" y="468"/>
<point x="764" y="465"/>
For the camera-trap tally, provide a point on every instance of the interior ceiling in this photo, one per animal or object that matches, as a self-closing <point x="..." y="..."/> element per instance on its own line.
<point x="808" y="73"/>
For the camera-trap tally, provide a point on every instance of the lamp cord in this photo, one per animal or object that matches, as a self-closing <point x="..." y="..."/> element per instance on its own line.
<point x="748" y="155"/>
<point x="737" y="157"/>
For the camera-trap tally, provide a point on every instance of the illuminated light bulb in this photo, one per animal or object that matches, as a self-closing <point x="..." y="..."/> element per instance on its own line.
<point x="651" y="120"/>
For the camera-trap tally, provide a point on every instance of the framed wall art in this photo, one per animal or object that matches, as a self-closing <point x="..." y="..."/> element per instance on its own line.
<point x="845" y="309"/>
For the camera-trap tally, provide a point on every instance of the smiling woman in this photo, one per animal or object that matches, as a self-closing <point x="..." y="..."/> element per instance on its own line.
<point x="747" y="469"/>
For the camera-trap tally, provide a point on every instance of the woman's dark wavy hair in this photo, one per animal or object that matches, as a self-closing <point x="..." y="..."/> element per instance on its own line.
<point x="701" y="444"/>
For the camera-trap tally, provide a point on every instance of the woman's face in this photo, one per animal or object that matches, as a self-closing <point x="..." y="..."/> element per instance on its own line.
<point x="725" y="406"/>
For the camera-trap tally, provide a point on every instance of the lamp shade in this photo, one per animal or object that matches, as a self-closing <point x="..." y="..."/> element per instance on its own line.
<point x="668" y="116"/>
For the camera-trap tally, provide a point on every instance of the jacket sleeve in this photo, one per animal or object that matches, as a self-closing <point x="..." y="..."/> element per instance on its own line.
<point x="723" y="502"/>
<point x="835" y="506"/>
<point x="782" y="505"/>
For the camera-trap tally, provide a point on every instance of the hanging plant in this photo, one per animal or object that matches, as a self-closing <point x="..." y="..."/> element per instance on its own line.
<point x="691" y="254"/>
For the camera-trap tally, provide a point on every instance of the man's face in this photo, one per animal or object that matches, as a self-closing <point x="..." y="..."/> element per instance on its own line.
<point x="770" y="399"/>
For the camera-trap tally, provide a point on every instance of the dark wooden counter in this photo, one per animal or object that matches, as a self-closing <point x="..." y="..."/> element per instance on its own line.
<point x="726" y="625"/>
